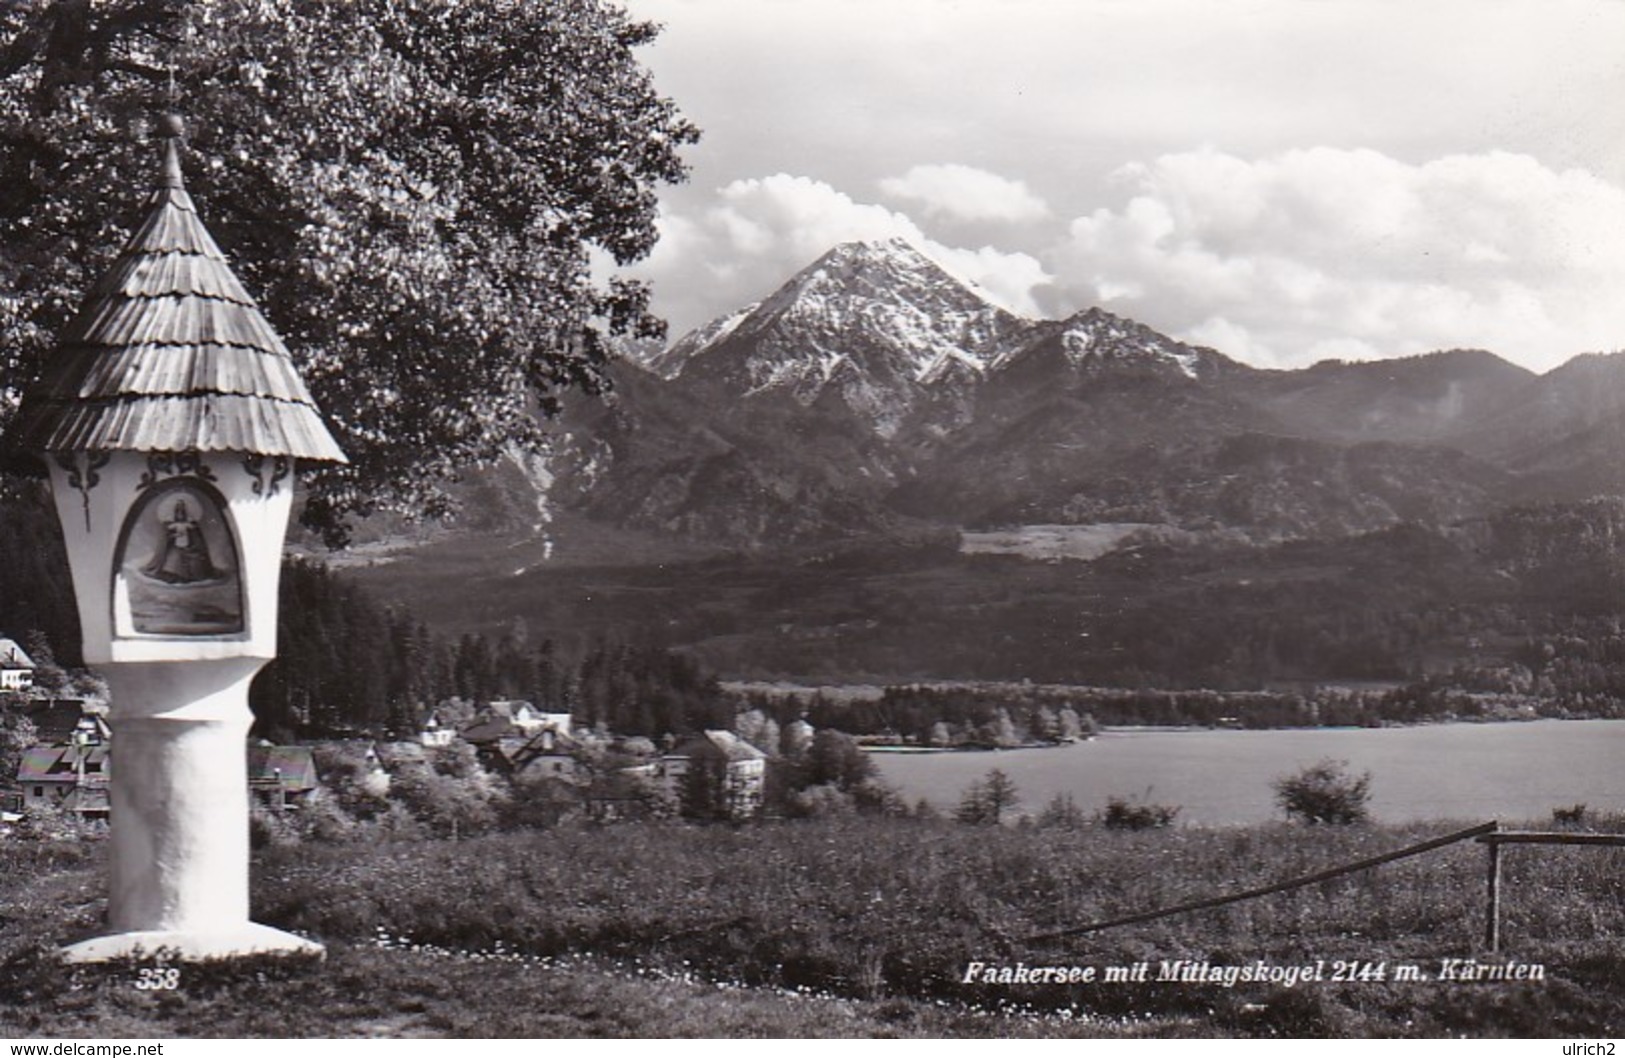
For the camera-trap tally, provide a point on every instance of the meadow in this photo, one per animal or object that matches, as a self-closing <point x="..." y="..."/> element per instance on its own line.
<point x="848" y="927"/>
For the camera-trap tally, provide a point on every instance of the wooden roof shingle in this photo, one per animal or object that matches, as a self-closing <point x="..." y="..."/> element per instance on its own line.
<point x="170" y="354"/>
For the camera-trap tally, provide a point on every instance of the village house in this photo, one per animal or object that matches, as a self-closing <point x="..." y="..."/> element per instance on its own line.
<point x="16" y="667"/>
<point x="549" y="753"/>
<point x="490" y="729"/>
<point x="560" y="722"/>
<point x="497" y="740"/>
<point x="390" y="757"/>
<point x="357" y="763"/>
<point x="744" y="769"/>
<point x="282" y="777"/>
<point x="70" y="766"/>
<point x="526" y="717"/>
<point x="434" y="734"/>
<point x="503" y="731"/>
<point x="72" y="777"/>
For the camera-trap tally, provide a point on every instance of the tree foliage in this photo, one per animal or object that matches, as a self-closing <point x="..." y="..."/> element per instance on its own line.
<point x="35" y="593"/>
<point x="1124" y="814"/>
<point x="1325" y="792"/>
<point x="416" y="192"/>
<point x="985" y="802"/>
<point x="703" y="792"/>
<point x="17" y="733"/>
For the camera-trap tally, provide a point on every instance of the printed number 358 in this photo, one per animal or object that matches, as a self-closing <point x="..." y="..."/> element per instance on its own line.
<point x="158" y="979"/>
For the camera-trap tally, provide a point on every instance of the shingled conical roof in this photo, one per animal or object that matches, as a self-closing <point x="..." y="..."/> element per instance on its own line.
<point x="170" y="354"/>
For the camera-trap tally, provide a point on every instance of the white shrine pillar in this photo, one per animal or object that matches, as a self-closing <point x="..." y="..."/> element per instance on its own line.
<point x="175" y="565"/>
<point x="170" y="418"/>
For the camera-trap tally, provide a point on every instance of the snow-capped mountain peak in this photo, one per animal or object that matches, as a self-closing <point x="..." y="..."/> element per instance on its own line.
<point x="1095" y="340"/>
<point x="875" y="321"/>
<point x="669" y="362"/>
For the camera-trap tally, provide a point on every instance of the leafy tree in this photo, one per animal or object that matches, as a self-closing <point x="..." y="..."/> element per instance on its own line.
<point x="1123" y="814"/>
<point x="703" y="792"/>
<point x="542" y="800"/>
<point x="823" y="801"/>
<point x="1001" y="731"/>
<point x="350" y="780"/>
<point x="17" y="733"/>
<point x="837" y="758"/>
<point x="759" y="729"/>
<point x="35" y="592"/>
<point x="50" y="680"/>
<point x="47" y="821"/>
<point x="1062" y="813"/>
<point x="613" y="796"/>
<point x="414" y="191"/>
<point x="1325" y="792"/>
<point x="986" y="801"/>
<point x="450" y="796"/>
<point x="973" y="805"/>
<point x="873" y="797"/>
<point x="796" y="739"/>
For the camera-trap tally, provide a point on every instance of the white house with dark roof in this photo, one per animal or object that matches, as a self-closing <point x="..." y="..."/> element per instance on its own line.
<point x="434" y="734"/>
<point x="526" y="716"/>
<point x="16" y="667"/>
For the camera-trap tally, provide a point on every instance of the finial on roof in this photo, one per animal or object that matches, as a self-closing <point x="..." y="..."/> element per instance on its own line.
<point x="173" y="130"/>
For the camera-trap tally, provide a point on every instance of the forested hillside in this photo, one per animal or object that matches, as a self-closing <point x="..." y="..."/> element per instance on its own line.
<point x="1424" y="622"/>
<point x="349" y="663"/>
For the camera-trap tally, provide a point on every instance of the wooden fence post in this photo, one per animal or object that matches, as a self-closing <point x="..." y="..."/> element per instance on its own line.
<point x="1490" y="834"/>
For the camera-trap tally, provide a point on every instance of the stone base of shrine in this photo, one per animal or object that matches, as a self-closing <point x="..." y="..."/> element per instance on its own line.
<point x="250" y="938"/>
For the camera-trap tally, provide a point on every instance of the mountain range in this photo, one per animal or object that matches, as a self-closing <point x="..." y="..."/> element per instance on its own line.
<point x="856" y="479"/>
<point x="875" y="394"/>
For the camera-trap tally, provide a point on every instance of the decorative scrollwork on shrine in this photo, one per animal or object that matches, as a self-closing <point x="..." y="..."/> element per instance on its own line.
<point x="254" y="465"/>
<point x="82" y="476"/>
<point x="162" y="465"/>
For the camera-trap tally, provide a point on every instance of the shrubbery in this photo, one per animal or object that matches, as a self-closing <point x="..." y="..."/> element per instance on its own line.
<point x="1325" y="792"/>
<point x="1123" y="814"/>
<point x="1062" y="812"/>
<point x="986" y="801"/>
<point x="1572" y="816"/>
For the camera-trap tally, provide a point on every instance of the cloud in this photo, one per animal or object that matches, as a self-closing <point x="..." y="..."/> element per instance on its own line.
<point x="1326" y="252"/>
<point x="962" y="192"/>
<point x="758" y="232"/>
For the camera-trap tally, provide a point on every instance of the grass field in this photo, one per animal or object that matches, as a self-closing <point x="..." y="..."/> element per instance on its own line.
<point x="849" y="927"/>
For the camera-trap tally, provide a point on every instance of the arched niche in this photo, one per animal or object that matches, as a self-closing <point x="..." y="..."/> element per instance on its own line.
<point x="176" y="570"/>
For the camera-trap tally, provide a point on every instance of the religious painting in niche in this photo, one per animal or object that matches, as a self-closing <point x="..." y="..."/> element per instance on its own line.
<point x="178" y="566"/>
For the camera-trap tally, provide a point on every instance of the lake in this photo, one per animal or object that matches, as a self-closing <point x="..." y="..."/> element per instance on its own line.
<point x="1514" y="772"/>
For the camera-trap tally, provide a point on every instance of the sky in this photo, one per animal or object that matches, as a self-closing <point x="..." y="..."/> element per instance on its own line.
<point x="1284" y="180"/>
